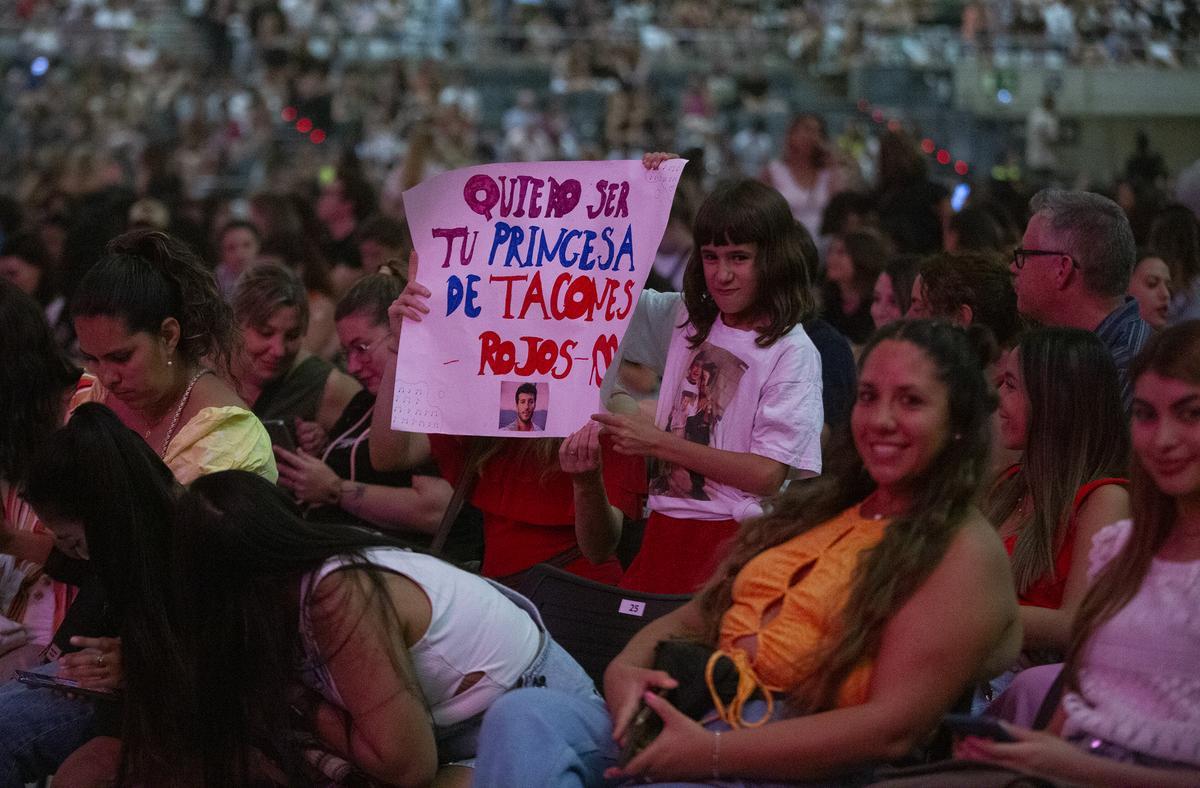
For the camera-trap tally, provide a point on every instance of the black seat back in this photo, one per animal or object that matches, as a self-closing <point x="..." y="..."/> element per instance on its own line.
<point x="590" y="620"/>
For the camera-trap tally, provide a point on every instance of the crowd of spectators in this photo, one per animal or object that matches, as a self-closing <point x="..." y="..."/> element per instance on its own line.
<point x="201" y="275"/>
<point x="236" y="97"/>
<point x="828" y="34"/>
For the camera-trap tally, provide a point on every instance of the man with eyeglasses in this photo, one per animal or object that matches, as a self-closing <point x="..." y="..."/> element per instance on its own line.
<point x="1072" y="269"/>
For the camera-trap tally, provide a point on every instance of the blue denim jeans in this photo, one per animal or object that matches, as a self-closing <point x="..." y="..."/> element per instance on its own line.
<point x="553" y="729"/>
<point x="552" y="670"/>
<point x="536" y="737"/>
<point x="546" y="736"/>
<point x="39" y="728"/>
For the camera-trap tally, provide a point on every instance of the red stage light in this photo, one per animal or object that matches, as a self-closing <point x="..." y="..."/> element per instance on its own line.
<point x="317" y="136"/>
<point x="960" y="167"/>
<point x="877" y="116"/>
<point x="927" y="146"/>
<point x="304" y="125"/>
<point x="943" y="156"/>
<point x="289" y="114"/>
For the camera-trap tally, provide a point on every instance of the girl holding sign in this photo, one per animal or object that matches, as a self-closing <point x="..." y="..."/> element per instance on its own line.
<point x="740" y="403"/>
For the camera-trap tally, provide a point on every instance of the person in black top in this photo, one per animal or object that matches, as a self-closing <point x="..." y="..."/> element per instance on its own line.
<point x="341" y="485"/>
<point x="839" y="373"/>
<point x="854" y="262"/>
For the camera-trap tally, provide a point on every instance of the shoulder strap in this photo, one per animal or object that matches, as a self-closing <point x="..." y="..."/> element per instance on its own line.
<point x="1005" y="475"/>
<point x="1090" y="488"/>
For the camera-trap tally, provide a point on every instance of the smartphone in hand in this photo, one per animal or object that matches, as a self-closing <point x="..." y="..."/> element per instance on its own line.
<point x="645" y="725"/>
<point x="281" y="434"/>
<point x="62" y="684"/>
<point x="982" y="726"/>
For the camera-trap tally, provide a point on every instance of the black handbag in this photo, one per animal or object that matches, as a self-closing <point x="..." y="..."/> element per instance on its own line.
<point x="686" y="661"/>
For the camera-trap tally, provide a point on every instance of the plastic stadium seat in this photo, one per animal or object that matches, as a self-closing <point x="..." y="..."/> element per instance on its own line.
<point x="590" y="620"/>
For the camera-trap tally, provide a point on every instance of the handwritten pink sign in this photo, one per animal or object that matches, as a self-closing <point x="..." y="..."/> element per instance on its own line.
<point x="535" y="269"/>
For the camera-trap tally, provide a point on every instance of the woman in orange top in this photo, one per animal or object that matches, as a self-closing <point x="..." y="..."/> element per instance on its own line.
<point x="867" y="600"/>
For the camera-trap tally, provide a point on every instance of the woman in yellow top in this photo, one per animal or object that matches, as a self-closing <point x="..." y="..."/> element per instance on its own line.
<point x="861" y="606"/>
<point x="150" y="322"/>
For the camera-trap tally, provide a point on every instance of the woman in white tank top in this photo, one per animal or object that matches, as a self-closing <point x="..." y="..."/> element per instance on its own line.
<point x="328" y="654"/>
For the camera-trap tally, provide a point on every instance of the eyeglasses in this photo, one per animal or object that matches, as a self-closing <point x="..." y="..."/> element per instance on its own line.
<point x="364" y="348"/>
<point x="1020" y="255"/>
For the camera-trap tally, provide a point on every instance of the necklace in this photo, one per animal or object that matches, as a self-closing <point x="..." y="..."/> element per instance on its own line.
<point x="1025" y="506"/>
<point x="872" y="509"/>
<point x="183" y="401"/>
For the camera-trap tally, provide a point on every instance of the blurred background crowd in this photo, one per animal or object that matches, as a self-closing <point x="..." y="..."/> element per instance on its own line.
<point x="187" y="115"/>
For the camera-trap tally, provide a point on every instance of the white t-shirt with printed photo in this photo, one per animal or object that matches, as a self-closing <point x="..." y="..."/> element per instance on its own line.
<point x="731" y="394"/>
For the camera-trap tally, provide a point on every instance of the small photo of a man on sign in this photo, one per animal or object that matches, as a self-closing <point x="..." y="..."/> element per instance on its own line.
<point x="523" y="406"/>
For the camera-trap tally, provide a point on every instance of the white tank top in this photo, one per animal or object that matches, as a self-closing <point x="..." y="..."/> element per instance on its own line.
<point x="473" y="628"/>
<point x="807" y="204"/>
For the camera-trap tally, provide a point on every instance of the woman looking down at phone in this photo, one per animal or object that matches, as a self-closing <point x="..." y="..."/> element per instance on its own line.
<point x="108" y="500"/>
<point x="35" y="384"/>
<point x="381" y="659"/>
<point x="1130" y="713"/>
<point x="149" y="320"/>
<point x="861" y="606"/>
<point x="274" y="374"/>
<point x="340" y="484"/>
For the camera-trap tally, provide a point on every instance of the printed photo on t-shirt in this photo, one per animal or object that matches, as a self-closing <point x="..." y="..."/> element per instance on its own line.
<point x="698" y="404"/>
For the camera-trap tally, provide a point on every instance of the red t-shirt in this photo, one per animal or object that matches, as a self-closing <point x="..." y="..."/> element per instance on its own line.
<point x="529" y="512"/>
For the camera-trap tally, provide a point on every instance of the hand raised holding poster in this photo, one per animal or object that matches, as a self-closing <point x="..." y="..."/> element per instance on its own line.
<point x="529" y="274"/>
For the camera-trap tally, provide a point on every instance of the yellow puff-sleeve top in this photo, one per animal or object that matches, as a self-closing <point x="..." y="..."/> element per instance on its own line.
<point x="215" y="439"/>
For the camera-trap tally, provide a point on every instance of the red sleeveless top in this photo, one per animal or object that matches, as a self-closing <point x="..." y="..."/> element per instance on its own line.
<point x="1047" y="590"/>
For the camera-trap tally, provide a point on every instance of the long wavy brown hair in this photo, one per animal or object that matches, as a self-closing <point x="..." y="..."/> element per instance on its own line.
<point x="914" y="543"/>
<point x="484" y="449"/>
<point x="1072" y="440"/>
<point x="1175" y="354"/>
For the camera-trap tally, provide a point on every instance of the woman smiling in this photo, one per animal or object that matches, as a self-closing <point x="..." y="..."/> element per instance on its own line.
<point x="859" y="607"/>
